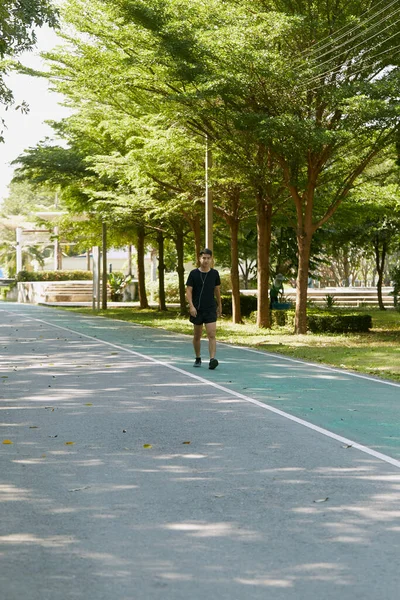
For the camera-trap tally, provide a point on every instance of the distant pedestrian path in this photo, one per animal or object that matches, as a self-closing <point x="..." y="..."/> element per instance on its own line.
<point x="362" y="410"/>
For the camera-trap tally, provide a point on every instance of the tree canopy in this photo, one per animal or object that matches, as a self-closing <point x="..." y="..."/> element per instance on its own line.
<point x="295" y="99"/>
<point x="19" y="20"/>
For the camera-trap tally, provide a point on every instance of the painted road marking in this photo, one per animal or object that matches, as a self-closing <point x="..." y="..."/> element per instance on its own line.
<point x="325" y="432"/>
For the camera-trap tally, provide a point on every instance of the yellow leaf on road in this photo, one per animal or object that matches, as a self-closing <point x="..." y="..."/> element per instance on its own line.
<point x="147" y="446"/>
<point x="7" y="442"/>
<point x="69" y="443"/>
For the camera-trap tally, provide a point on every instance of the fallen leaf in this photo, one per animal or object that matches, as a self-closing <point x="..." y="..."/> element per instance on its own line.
<point x="185" y="442"/>
<point x="43" y="456"/>
<point x="7" y="442"/>
<point x="88" y="404"/>
<point x="147" y="446"/>
<point x="33" y="427"/>
<point x="321" y="500"/>
<point x="69" y="443"/>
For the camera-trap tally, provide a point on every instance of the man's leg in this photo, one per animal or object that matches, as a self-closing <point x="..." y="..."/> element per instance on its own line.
<point x="197" y="331"/>
<point x="211" y="329"/>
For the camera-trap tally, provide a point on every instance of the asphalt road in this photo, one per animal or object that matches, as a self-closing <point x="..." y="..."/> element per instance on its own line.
<point x="130" y="475"/>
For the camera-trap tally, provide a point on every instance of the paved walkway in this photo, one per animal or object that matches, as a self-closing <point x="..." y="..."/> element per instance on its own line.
<point x="133" y="476"/>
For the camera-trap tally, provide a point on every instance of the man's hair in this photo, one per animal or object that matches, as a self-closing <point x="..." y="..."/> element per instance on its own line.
<point x="206" y="251"/>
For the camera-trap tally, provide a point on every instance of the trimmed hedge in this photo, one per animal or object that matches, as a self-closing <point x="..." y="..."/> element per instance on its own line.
<point x="53" y="275"/>
<point x="282" y="318"/>
<point x="248" y="304"/>
<point x="339" y="323"/>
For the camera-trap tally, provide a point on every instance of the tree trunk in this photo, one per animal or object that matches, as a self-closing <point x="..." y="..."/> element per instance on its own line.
<point x="264" y="214"/>
<point x="88" y="266"/>
<point x="130" y="260"/>
<point x="236" y="310"/>
<point x="195" y="225"/>
<point x="346" y="268"/>
<point x="197" y="234"/>
<point x="380" y="266"/>
<point x="179" y="239"/>
<point x="304" y="247"/>
<point x="161" y="272"/>
<point x="141" y="269"/>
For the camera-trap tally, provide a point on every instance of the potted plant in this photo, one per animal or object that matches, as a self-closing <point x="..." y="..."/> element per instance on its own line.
<point x="117" y="282"/>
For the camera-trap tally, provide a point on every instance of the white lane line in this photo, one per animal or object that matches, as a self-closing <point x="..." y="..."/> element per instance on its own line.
<point x="325" y="432"/>
<point x="276" y="356"/>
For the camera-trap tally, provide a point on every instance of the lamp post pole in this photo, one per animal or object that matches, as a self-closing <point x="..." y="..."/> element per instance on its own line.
<point x="104" y="269"/>
<point x="19" y="249"/>
<point x="208" y="200"/>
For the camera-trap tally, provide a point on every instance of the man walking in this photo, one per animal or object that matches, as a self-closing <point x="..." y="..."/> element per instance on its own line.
<point x="202" y="286"/>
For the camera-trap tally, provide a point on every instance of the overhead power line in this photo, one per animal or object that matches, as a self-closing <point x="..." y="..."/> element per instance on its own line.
<point x="361" y="56"/>
<point x="333" y="39"/>
<point x="356" y="71"/>
<point x="362" y="33"/>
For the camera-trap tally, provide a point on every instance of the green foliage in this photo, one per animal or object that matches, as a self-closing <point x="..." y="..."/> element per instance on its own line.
<point x="171" y="286"/>
<point x="53" y="275"/>
<point x="339" y="323"/>
<point x="226" y="283"/>
<point x="287" y="125"/>
<point x="329" y="300"/>
<point x="395" y="277"/>
<point x="18" y="20"/>
<point x="117" y="282"/>
<point x="282" y="318"/>
<point x="26" y="199"/>
<point x="248" y="304"/>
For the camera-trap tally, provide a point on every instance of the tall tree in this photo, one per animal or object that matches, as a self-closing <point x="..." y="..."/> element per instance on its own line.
<point x="18" y="20"/>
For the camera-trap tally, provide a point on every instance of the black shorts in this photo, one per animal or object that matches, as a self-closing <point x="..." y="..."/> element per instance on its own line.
<point x="204" y="316"/>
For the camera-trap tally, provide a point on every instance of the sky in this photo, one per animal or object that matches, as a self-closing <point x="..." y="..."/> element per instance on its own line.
<point x="24" y="131"/>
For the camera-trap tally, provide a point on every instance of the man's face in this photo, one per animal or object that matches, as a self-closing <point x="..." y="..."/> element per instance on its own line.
<point x="205" y="261"/>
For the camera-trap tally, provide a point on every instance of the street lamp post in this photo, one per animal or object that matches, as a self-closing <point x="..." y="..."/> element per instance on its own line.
<point x="208" y="200"/>
<point x="104" y="269"/>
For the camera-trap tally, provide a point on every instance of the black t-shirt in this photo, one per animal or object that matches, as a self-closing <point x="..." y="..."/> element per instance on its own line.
<point x="203" y="285"/>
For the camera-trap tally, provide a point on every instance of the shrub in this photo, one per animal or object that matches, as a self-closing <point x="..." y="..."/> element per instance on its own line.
<point x="171" y="285"/>
<point x="339" y="323"/>
<point x="53" y="275"/>
<point x="329" y="301"/>
<point x="395" y="276"/>
<point x="226" y="282"/>
<point x="282" y="317"/>
<point x="248" y="304"/>
<point x="118" y="282"/>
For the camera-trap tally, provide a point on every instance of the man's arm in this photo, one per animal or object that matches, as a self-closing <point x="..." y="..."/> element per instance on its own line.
<point x="189" y="296"/>
<point x="217" y="292"/>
